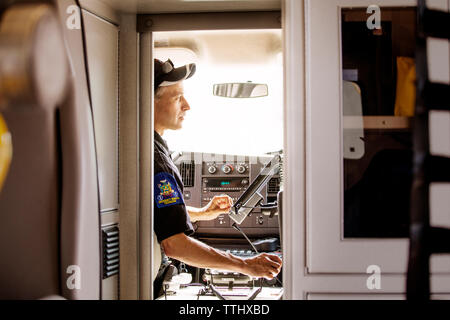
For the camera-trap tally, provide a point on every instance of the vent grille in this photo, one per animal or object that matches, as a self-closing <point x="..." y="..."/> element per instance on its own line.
<point x="110" y="251"/>
<point x="274" y="185"/>
<point x="187" y="171"/>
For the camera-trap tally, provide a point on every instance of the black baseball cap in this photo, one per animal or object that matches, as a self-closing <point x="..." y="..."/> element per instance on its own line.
<point x="166" y="74"/>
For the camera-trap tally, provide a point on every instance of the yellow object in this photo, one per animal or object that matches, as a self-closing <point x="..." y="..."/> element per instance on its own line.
<point x="5" y="150"/>
<point x="405" y="99"/>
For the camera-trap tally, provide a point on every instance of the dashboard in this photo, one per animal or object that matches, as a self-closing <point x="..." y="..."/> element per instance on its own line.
<point x="207" y="175"/>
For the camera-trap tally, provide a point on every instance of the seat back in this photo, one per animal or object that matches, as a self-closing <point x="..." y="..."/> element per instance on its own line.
<point x="49" y="222"/>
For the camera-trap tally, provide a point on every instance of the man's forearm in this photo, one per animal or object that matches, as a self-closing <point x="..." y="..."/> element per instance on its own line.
<point x="200" y="255"/>
<point x="218" y="205"/>
<point x="195" y="214"/>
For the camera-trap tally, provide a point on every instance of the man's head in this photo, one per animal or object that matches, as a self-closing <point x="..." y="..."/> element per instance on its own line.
<point x="170" y="104"/>
<point x="170" y="108"/>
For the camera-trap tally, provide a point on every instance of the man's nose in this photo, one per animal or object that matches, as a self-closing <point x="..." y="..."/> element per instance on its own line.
<point x="186" y="105"/>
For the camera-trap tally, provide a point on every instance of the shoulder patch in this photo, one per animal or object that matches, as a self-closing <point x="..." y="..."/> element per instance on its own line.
<point x="166" y="190"/>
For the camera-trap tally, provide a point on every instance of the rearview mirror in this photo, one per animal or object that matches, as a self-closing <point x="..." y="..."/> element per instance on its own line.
<point x="240" y="90"/>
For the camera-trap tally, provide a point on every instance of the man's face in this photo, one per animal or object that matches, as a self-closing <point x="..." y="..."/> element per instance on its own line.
<point x="170" y="108"/>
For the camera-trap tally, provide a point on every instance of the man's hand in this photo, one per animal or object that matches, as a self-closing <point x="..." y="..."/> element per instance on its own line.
<point x="263" y="265"/>
<point x="200" y="255"/>
<point x="217" y="206"/>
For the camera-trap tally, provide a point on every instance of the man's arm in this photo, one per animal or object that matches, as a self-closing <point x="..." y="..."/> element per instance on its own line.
<point x="198" y="254"/>
<point x="218" y="205"/>
<point x="195" y="214"/>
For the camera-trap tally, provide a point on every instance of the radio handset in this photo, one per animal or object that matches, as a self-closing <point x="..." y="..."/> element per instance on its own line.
<point x="252" y="197"/>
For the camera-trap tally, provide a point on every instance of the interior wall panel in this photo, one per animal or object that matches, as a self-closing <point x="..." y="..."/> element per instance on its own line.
<point x="102" y="44"/>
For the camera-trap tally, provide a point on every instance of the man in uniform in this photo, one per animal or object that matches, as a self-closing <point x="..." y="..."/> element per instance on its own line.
<point x="172" y="218"/>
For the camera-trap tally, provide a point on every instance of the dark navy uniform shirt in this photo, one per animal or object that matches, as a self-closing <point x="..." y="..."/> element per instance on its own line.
<point x="171" y="216"/>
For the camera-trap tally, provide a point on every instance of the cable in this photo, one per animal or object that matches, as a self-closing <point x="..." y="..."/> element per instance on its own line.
<point x="236" y="227"/>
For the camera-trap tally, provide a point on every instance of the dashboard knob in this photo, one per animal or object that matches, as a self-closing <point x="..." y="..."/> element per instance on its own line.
<point x="212" y="169"/>
<point x="241" y="169"/>
<point x="227" y="168"/>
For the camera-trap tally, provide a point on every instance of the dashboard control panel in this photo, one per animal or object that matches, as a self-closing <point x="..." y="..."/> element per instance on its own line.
<point x="212" y="175"/>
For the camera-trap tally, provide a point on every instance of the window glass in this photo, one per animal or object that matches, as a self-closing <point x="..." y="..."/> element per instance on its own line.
<point x="221" y="125"/>
<point x="378" y="92"/>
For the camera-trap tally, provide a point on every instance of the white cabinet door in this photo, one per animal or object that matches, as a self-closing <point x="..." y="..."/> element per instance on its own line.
<point x="102" y="44"/>
<point x="327" y="250"/>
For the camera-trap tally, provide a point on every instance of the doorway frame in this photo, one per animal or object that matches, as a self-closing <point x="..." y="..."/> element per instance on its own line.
<point x="147" y="24"/>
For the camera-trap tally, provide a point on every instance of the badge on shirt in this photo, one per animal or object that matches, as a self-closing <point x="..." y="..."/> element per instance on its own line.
<point x="166" y="190"/>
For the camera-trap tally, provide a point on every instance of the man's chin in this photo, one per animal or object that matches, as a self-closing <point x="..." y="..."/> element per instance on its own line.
<point x="180" y="124"/>
<point x="177" y="127"/>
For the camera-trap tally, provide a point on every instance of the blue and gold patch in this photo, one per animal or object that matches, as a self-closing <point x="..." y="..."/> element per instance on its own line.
<point x="166" y="190"/>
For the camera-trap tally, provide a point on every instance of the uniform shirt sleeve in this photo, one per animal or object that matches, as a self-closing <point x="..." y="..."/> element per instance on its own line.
<point x="170" y="212"/>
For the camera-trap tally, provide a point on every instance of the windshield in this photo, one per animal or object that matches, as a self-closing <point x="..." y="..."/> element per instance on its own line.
<point x="250" y="126"/>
